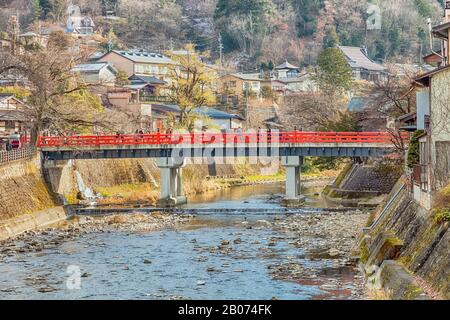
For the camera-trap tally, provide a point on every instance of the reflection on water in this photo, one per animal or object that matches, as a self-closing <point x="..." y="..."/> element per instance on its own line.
<point x="265" y="194"/>
<point x="215" y="257"/>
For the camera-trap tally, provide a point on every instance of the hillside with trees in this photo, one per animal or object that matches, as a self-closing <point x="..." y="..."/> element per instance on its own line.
<point x="250" y="31"/>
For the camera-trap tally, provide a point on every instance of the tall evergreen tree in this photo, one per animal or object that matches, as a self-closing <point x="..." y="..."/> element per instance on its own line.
<point x="334" y="74"/>
<point x="36" y="10"/>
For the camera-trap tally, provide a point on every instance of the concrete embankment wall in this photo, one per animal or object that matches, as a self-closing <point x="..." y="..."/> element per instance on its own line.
<point x="22" y="189"/>
<point x="23" y="223"/>
<point x="26" y="202"/>
<point x="407" y="248"/>
<point x="132" y="179"/>
<point x="30" y="196"/>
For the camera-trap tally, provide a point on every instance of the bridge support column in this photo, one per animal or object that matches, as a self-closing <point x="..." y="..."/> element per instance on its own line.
<point x="171" y="183"/>
<point x="293" y="182"/>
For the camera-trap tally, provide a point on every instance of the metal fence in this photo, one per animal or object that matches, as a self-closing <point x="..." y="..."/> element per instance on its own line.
<point x="17" y="154"/>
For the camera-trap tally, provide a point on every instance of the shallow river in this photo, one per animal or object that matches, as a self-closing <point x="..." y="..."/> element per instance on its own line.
<point x="177" y="264"/>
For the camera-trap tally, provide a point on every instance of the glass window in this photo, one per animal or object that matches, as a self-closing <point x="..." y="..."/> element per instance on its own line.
<point x="140" y="68"/>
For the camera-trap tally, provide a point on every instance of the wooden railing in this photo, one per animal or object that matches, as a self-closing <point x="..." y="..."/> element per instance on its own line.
<point x="17" y="154"/>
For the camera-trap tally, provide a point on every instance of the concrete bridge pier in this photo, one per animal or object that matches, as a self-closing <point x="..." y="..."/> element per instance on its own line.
<point x="293" y="181"/>
<point x="171" y="184"/>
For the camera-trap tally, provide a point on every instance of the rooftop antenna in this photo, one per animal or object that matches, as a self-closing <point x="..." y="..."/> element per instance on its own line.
<point x="430" y="32"/>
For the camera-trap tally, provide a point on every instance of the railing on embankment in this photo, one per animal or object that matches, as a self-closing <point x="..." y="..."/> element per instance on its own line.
<point x="24" y="153"/>
<point x="295" y="137"/>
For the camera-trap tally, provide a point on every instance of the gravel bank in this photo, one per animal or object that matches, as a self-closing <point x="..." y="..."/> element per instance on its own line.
<point x="330" y="238"/>
<point x="38" y="240"/>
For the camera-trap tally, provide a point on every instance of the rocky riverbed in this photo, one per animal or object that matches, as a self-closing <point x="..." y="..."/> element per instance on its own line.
<point x="330" y="236"/>
<point x="38" y="240"/>
<point x="230" y="255"/>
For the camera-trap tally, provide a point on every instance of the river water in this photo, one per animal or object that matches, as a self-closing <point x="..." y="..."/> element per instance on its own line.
<point x="195" y="262"/>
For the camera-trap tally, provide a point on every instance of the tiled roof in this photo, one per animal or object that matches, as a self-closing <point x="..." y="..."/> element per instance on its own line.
<point x="357" y="104"/>
<point x="248" y="76"/>
<point x="6" y="95"/>
<point x="12" y="115"/>
<point x="135" y="79"/>
<point x="216" y="114"/>
<point x="286" y="65"/>
<point x="145" y="57"/>
<point x="91" y="67"/>
<point x="206" y="111"/>
<point x="357" y="58"/>
<point x="300" y="78"/>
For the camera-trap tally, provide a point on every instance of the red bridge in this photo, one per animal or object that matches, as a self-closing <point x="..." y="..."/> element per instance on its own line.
<point x="171" y="151"/>
<point x="272" y="144"/>
<point x="158" y="139"/>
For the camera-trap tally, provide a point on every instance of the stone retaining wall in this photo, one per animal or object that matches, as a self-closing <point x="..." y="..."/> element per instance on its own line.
<point x="418" y="243"/>
<point x="22" y="189"/>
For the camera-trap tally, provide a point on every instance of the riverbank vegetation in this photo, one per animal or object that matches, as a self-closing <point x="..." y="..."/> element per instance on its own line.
<point x="442" y="206"/>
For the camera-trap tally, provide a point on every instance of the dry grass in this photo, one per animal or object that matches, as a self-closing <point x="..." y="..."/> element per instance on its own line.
<point x="128" y="193"/>
<point x="442" y="205"/>
<point x="442" y="200"/>
<point x="130" y="218"/>
<point x="377" y="295"/>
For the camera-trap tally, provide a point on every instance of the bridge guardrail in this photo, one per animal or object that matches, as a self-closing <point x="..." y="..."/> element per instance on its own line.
<point x="296" y="137"/>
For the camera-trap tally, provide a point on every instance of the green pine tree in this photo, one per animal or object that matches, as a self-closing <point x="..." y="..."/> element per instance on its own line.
<point x="334" y="74"/>
<point x="331" y="40"/>
<point x="36" y="10"/>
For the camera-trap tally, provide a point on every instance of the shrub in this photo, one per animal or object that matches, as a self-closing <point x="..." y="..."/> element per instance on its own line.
<point x="442" y="205"/>
<point x="442" y="215"/>
<point x="413" y="151"/>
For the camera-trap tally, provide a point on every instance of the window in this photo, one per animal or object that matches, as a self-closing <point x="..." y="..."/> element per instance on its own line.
<point x="10" y="125"/>
<point x="232" y="84"/>
<point x="140" y="68"/>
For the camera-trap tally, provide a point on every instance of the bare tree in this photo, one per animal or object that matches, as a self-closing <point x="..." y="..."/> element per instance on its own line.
<point x="310" y="111"/>
<point x="59" y="100"/>
<point x="395" y="94"/>
<point x="191" y="86"/>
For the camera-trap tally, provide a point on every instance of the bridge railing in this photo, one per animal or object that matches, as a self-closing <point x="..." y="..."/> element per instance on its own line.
<point x="295" y="137"/>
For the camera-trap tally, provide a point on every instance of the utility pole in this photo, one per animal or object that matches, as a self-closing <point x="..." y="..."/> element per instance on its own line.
<point x="221" y="50"/>
<point x="13" y="30"/>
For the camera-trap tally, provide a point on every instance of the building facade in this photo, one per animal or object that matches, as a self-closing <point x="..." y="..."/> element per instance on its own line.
<point x="97" y="73"/>
<point x="140" y="63"/>
<point x="363" y="67"/>
<point x="12" y="115"/>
